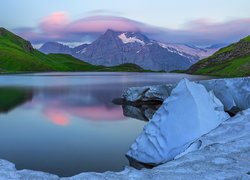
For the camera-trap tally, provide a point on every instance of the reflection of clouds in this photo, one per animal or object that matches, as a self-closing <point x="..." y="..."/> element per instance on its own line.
<point x="57" y="116"/>
<point x="60" y="115"/>
<point x="97" y="113"/>
<point x="88" y="103"/>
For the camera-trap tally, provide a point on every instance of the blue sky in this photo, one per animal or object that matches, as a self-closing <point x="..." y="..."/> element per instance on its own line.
<point x="162" y="14"/>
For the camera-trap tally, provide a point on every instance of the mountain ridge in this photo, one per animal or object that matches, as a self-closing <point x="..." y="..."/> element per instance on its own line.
<point x="18" y="55"/>
<point x="117" y="47"/>
<point x="230" y="61"/>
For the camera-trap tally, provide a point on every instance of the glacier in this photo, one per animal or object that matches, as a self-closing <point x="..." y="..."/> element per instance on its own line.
<point x="188" y="113"/>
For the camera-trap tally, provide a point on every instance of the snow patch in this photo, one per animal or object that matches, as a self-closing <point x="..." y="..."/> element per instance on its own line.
<point x="83" y="51"/>
<point x="182" y="48"/>
<point x="127" y="40"/>
<point x="176" y="51"/>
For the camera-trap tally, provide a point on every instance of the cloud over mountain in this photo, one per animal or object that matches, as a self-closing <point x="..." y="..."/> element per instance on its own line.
<point x="59" y="27"/>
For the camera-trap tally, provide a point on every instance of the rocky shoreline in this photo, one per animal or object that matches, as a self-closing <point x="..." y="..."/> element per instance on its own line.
<point x="223" y="152"/>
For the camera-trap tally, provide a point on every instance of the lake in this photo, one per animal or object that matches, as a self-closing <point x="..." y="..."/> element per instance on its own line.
<point x="65" y="123"/>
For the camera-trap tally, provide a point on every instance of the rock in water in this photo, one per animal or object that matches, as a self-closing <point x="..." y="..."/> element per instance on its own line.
<point x="186" y="115"/>
<point x="233" y="93"/>
<point x="147" y="93"/>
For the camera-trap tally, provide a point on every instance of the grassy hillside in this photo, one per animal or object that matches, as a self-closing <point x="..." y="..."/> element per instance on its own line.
<point x="231" y="61"/>
<point x="18" y="55"/>
<point x="64" y="62"/>
<point x="125" y="68"/>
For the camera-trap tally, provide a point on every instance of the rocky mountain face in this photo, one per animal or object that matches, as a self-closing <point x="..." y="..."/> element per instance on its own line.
<point x="57" y="48"/>
<point x="114" y="48"/>
<point x="78" y="49"/>
<point x="54" y="47"/>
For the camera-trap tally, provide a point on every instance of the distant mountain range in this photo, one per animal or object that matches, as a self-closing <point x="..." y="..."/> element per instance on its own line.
<point x="114" y="48"/>
<point x="123" y="51"/>
<point x="18" y="55"/>
<point x="230" y="61"/>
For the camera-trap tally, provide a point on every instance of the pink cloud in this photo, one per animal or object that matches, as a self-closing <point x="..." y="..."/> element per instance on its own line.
<point x="211" y="31"/>
<point x="102" y="23"/>
<point x="58" y="27"/>
<point x="54" y="22"/>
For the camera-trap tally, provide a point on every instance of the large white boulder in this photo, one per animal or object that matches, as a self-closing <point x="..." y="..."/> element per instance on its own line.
<point x="234" y="93"/>
<point x="186" y="115"/>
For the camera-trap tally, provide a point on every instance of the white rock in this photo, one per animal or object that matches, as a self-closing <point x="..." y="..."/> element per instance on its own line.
<point x="6" y="165"/>
<point x="8" y="170"/>
<point x="187" y="114"/>
<point x="30" y="174"/>
<point x="233" y="92"/>
<point x="147" y="93"/>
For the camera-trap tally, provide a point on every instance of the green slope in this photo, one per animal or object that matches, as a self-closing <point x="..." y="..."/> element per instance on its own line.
<point x="231" y="61"/>
<point x="125" y="68"/>
<point x="64" y="62"/>
<point x="18" y="55"/>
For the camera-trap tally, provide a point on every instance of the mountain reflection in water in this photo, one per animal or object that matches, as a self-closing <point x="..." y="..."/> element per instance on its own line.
<point x="66" y="123"/>
<point x="10" y="98"/>
<point x="60" y="103"/>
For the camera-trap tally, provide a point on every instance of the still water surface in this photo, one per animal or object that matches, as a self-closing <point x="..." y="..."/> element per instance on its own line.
<point x="65" y="123"/>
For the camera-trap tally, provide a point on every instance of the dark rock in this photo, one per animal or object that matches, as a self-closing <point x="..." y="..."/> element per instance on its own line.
<point x="138" y="165"/>
<point x="122" y="101"/>
<point x="143" y="112"/>
<point x="28" y="47"/>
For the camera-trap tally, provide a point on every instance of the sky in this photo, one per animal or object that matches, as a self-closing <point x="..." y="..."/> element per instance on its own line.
<point x="197" y="22"/>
